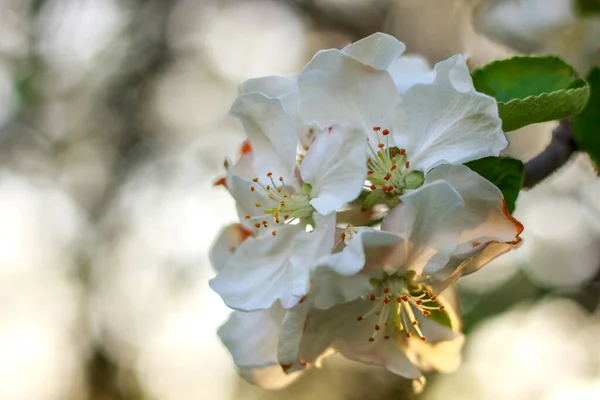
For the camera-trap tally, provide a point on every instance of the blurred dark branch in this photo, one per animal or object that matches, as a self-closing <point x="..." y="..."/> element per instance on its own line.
<point x="335" y="18"/>
<point x="558" y="152"/>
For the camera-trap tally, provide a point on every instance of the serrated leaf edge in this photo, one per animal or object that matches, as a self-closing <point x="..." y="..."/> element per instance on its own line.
<point x="585" y="88"/>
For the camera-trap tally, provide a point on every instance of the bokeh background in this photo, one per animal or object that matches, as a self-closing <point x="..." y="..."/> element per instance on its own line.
<point x="113" y="127"/>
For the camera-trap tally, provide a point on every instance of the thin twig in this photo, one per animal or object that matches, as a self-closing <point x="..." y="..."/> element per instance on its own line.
<point x="558" y="152"/>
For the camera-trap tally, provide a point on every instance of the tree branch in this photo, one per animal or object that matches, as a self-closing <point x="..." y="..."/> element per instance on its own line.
<point x="558" y="152"/>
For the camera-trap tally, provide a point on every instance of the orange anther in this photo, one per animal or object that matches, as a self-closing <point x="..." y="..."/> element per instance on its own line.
<point x="385" y="132"/>
<point x="359" y="318"/>
<point x="220" y="182"/>
<point x="371" y="339"/>
<point x="381" y="145"/>
<point x="246" y="148"/>
<point x="372" y="297"/>
<point x="254" y="180"/>
<point x="376" y="128"/>
<point x="372" y="187"/>
<point x="377" y="327"/>
<point x="269" y="174"/>
<point x="274" y="233"/>
<point x="407" y="164"/>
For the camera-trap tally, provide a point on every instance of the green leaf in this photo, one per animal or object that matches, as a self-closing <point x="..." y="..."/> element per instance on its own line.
<point x="586" y="125"/>
<point x="586" y="7"/>
<point x="530" y="90"/>
<point x="504" y="172"/>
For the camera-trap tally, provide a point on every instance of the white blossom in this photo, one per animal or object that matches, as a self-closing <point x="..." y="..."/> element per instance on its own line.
<point x="290" y="208"/>
<point x="438" y="119"/>
<point x="379" y="292"/>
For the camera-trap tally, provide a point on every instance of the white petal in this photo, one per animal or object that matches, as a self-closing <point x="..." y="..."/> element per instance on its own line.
<point x="288" y="349"/>
<point x="485" y="216"/>
<point x="377" y="51"/>
<point x="308" y="247"/>
<point x="368" y="246"/>
<point x="329" y="289"/>
<point x="252" y="338"/>
<point x="337" y="88"/>
<point x="454" y="71"/>
<point x="270" y="377"/>
<point x="445" y="121"/>
<point x="245" y="198"/>
<point x="409" y="70"/>
<point x="442" y="356"/>
<point x="272" y="86"/>
<point x="260" y="273"/>
<point x="338" y="327"/>
<point x="226" y="244"/>
<point x="285" y="88"/>
<point x="336" y="167"/>
<point x="424" y="221"/>
<point x="467" y="263"/>
<point x="271" y="131"/>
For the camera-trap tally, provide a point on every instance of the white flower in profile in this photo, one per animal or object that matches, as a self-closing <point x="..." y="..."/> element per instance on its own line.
<point x="290" y="209"/>
<point x="412" y="122"/>
<point x="250" y="337"/>
<point x="543" y="26"/>
<point x="377" y="299"/>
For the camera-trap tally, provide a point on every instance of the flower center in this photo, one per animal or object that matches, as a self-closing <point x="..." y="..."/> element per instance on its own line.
<point x="388" y="167"/>
<point x="395" y="302"/>
<point x="278" y="204"/>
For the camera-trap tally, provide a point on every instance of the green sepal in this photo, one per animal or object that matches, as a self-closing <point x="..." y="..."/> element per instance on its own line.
<point x="414" y="180"/>
<point x="504" y="172"/>
<point x="378" y="196"/>
<point x="530" y="90"/>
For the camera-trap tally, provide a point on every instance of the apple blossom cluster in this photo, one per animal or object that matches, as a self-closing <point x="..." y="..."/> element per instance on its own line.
<point x="356" y="212"/>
